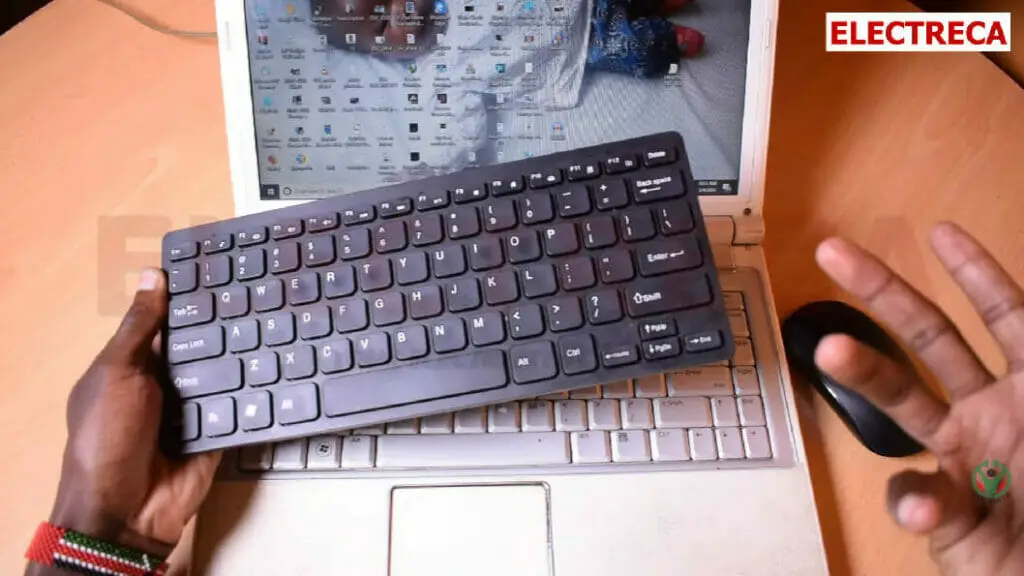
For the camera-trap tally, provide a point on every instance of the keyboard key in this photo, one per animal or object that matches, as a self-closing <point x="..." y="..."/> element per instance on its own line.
<point x="410" y="426"/>
<point x="391" y="209"/>
<point x="425" y="303"/>
<point x="681" y="412"/>
<point x="191" y="310"/>
<point x="387" y="309"/>
<point x="636" y="225"/>
<point x="620" y="164"/>
<point x="573" y="202"/>
<point x="525" y="321"/>
<point x="669" y="445"/>
<point x="295" y="404"/>
<point x="703" y="341"/>
<point x="664" y="257"/>
<point x="576" y="354"/>
<point x="358" y="452"/>
<point x="339" y="282"/>
<point x="473" y="450"/>
<point x="216" y="271"/>
<point x="183" y="251"/>
<point x="577" y="172"/>
<point x="591" y="393"/>
<point x="622" y="389"/>
<point x="443" y="377"/>
<point x="261" y="369"/>
<point x="218" y="417"/>
<point x="611" y="194"/>
<point x="436" y="424"/>
<point x="319" y="251"/>
<point x="471" y="421"/>
<point x="334" y="356"/>
<point x="448" y="261"/>
<point x="501" y="288"/>
<point x="603" y="415"/>
<point x="195" y="344"/>
<point x="466" y="194"/>
<point x="372" y="349"/>
<point x="537" y="416"/>
<point x="256" y="457"/>
<point x="636" y="413"/>
<point x="744" y="354"/>
<point x="630" y="446"/>
<point x="303" y="289"/>
<point x="665" y="294"/>
<point x="564" y="314"/>
<point x="659" y="157"/>
<point x="278" y="329"/>
<point x="561" y="239"/>
<point x="503" y="418"/>
<point x="322" y="222"/>
<point x="523" y="246"/>
<point x="351" y="316"/>
<point x="324" y="453"/>
<point x="254" y="411"/>
<point x="536" y="209"/>
<point x="291" y="454"/>
<point x="233" y="301"/>
<point x="205" y="378"/>
<point x="533" y="362"/>
<point x="702" y="444"/>
<point x="660" y="349"/>
<point x="590" y="447"/>
<point x="656" y="185"/>
<point x="738" y="323"/>
<point x="411" y="342"/>
<point x="411" y="268"/>
<point x="650" y="386"/>
<point x="500" y="215"/>
<point x="599" y="232"/>
<point x="603" y="307"/>
<point x="657" y="328"/>
<point x="487" y="329"/>
<point x="674" y="218"/>
<point x="545" y="178"/>
<point x="284" y="258"/>
<point x="577" y="273"/>
<point x="746" y="381"/>
<point x="730" y="445"/>
<point x="449" y="335"/>
<point x="286" y="229"/>
<point x="570" y="415"/>
<point x="485" y="254"/>
<point x="390" y="237"/>
<point x="218" y="243"/>
<point x="189" y="423"/>
<point x="426" y="230"/>
<point x="616" y="266"/>
<point x="183" y="278"/>
<point x="354" y="216"/>
<point x="463" y="294"/>
<point x="704" y="381"/>
<point x="751" y="411"/>
<point x="502" y="187"/>
<point x="723" y="411"/>
<point x="299" y="363"/>
<point x="354" y="244"/>
<point x="755" y="443"/>
<point x="463" y="222"/>
<point x="538" y="281"/>
<point x="243" y="335"/>
<point x="375" y="275"/>
<point x="432" y="200"/>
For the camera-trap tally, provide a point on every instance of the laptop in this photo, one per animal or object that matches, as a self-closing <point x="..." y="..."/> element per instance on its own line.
<point x="319" y="101"/>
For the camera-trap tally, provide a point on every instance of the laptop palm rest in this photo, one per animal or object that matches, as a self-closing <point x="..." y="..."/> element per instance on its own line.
<point x="498" y="530"/>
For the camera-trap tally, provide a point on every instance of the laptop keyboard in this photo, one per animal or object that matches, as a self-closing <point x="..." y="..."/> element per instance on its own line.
<point x="727" y="412"/>
<point x="445" y="294"/>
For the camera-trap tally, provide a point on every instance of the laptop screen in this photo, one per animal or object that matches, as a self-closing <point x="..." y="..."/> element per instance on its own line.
<point x="352" y="94"/>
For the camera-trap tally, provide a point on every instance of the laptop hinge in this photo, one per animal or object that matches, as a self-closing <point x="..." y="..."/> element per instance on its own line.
<point x="721" y="232"/>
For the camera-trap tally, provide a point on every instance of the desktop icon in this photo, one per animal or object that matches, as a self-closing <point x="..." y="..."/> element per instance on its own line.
<point x="470" y="70"/>
<point x="559" y="38"/>
<point x="296" y="72"/>
<point x="440" y="39"/>
<point x="353" y="100"/>
<point x="272" y="160"/>
<point x="380" y="9"/>
<point x="328" y="130"/>
<point x="414" y="156"/>
<point x="411" y="67"/>
<point x="472" y="156"/>
<point x="442" y="126"/>
<point x="529" y="6"/>
<point x="410" y="7"/>
<point x="499" y="98"/>
<point x="673" y="69"/>
<point x="414" y="128"/>
<point x="350" y="38"/>
<point x="270" y="132"/>
<point x="529" y="39"/>
<point x="326" y="100"/>
<point x="442" y="98"/>
<point x="318" y="9"/>
<point x="265" y="71"/>
<point x="297" y="100"/>
<point x="350" y="7"/>
<point x="323" y="39"/>
<point x="300" y="131"/>
<point x="324" y="71"/>
<point x="557" y="129"/>
<point x="410" y="38"/>
<point x="268" y="101"/>
<point x="378" y="40"/>
<point x="263" y="39"/>
<point x="498" y="38"/>
<point x="499" y="127"/>
<point x="301" y="159"/>
<point x="357" y="128"/>
<point x="469" y="8"/>
<point x="440" y="7"/>
<point x="499" y="7"/>
<point x="499" y="67"/>
<point x="441" y="68"/>
<point x="261" y="11"/>
<point x="414" y="99"/>
<point x="290" y="9"/>
<point x="528" y="67"/>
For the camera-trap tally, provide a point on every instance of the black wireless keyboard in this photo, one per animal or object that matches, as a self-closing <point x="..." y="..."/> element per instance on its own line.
<point x="483" y="286"/>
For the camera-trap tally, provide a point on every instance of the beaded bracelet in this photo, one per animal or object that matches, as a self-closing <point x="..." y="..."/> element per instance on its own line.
<point x="75" y="552"/>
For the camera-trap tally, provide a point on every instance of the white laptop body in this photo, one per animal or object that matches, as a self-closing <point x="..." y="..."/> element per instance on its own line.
<point x="687" y="500"/>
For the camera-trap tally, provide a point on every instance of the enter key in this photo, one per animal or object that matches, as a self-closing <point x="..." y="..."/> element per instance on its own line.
<point x="682" y="253"/>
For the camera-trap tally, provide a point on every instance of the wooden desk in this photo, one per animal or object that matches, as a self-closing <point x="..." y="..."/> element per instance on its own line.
<point x="113" y="131"/>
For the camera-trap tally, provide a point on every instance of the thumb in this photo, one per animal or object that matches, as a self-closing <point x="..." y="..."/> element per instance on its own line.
<point x="132" y="342"/>
<point x="933" y="505"/>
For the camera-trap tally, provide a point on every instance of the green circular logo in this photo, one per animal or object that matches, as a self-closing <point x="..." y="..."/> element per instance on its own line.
<point x="991" y="479"/>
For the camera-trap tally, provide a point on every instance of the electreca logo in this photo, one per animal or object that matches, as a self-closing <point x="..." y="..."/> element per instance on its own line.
<point x="917" y="32"/>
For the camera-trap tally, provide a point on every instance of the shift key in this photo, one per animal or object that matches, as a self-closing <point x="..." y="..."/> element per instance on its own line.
<point x="667" y="293"/>
<point x="205" y="378"/>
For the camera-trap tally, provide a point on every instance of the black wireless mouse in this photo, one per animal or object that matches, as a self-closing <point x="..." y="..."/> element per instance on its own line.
<point x="801" y="333"/>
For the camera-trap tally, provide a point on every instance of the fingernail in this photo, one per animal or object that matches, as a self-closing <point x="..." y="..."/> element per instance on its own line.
<point x="908" y="510"/>
<point x="149" y="279"/>
<point x="828" y="249"/>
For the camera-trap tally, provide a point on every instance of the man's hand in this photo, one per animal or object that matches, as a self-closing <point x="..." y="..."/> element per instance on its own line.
<point x="115" y="484"/>
<point x="983" y="419"/>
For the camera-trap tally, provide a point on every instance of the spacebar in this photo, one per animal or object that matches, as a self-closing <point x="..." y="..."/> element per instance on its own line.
<point x="473" y="450"/>
<point x="441" y="378"/>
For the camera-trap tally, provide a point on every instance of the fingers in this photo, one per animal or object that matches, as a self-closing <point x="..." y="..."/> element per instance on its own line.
<point x="197" y="473"/>
<point x="885" y="384"/>
<point x="930" y="504"/>
<point x="132" y="342"/>
<point x="998" y="300"/>
<point x="920" y="324"/>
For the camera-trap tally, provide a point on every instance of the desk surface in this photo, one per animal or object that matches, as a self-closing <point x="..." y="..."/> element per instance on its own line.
<point x="113" y="132"/>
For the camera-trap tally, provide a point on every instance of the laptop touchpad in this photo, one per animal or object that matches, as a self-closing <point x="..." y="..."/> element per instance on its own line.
<point x="498" y="530"/>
